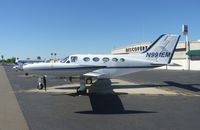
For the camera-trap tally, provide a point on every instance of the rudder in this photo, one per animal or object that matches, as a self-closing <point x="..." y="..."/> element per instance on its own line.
<point x="162" y="50"/>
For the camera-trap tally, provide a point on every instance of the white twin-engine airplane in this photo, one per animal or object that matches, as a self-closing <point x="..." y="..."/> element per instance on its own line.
<point x="88" y="67"/>
<point x="20" y="63"/>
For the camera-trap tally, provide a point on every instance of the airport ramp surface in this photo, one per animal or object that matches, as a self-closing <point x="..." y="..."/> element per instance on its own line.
<point x="11" y="116"/>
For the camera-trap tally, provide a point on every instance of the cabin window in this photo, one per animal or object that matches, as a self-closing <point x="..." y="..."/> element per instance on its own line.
<point x="95" y="59"/>
<point x="114" y="59"/>
<point x="86" y="59"/>
<point x="122" y="59"/>
<point x="74" y="59"/>
<point x="106" y="59"/>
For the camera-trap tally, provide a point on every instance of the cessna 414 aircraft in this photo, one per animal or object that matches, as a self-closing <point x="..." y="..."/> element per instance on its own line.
<point x="20" y="63"/>
<point x="89" y="66"/>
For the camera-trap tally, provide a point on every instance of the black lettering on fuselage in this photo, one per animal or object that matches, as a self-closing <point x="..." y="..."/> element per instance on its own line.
<point x="156" y="54"/>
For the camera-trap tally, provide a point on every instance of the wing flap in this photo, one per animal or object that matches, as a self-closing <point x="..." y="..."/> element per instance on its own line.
<point x="94" y="74"/>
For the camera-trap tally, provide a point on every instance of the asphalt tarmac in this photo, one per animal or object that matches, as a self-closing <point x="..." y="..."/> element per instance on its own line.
<point x="58" y="111"/>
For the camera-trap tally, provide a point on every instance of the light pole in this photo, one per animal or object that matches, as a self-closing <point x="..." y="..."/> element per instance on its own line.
<point x="185" y="32"/>
<point x="51" y="55"/>
<point x="2" y="57"/>
<point x="55" y="57"/>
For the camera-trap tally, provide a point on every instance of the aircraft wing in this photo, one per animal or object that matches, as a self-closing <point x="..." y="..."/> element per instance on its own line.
<point x="160" y="64"/>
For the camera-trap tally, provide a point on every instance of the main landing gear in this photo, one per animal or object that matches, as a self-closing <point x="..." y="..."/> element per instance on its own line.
<point x="82" y="89"/>
<point x="42" y="83"/>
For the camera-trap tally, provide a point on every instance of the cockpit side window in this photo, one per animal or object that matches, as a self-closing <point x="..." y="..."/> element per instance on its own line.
<point x="65" y="60"/>
<point x="74" y="59"/>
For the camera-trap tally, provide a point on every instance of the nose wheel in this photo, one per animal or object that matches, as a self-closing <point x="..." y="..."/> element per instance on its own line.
<point x="42" y="83"/>
<point x="40" y="86"/>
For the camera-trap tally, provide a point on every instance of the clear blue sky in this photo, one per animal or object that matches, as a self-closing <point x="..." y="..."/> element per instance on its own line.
<point x="31" y="28"/>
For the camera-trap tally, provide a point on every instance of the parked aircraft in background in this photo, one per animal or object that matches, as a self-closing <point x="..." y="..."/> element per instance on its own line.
<point x="90" y="66"/>
<point x="20" y="63"/>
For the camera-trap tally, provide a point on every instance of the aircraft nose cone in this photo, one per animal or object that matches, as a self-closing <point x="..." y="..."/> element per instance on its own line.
<point x="25" y="67"/>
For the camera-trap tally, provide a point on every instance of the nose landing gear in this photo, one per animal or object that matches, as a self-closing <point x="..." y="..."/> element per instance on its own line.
<point x="42" y="83"/>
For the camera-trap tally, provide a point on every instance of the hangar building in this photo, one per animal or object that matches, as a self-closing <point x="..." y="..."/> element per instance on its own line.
<point x="179" y="58"/>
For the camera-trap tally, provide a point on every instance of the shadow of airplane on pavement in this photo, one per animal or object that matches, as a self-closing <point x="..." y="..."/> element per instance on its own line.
<point x="107" y="103"/>
<point x="183" y="86"/>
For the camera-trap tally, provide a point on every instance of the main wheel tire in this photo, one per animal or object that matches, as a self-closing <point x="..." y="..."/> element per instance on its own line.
<point x="89" y="81"/>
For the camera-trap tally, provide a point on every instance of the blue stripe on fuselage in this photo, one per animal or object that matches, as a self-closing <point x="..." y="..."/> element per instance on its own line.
<point x="104" y="67"/>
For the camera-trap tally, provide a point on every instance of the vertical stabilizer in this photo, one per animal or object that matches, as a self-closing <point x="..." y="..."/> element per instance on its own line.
<point x="162" y="50"/>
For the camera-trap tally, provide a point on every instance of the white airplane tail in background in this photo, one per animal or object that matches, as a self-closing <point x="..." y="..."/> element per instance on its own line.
<point x="162" y="50"/>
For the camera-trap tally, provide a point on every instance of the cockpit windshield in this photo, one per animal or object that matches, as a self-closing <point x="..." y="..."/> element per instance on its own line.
<point x="65" y="60"/>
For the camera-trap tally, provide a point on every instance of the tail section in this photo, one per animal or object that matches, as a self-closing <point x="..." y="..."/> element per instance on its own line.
<point x="162" y="50"/>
